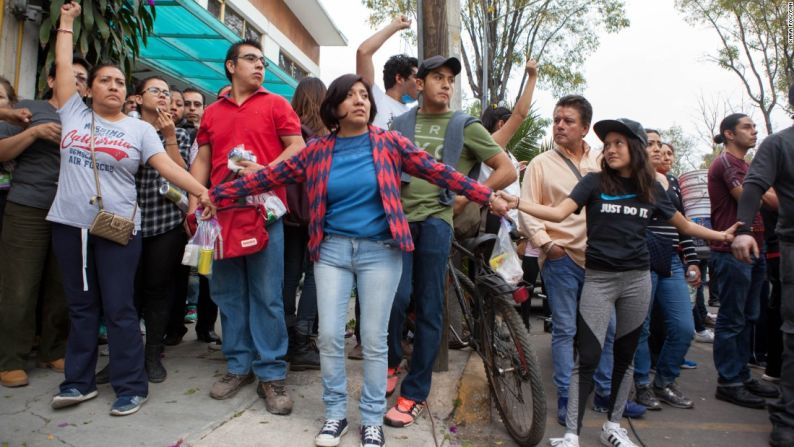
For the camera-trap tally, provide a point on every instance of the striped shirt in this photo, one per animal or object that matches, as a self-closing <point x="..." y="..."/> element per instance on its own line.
<point x="663" y="228"/>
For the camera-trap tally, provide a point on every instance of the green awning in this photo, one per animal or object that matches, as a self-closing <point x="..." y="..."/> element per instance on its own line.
<point x="190" y="44"/>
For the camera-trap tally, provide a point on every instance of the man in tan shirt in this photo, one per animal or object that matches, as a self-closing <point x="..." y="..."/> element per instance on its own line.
<point x="549" y="179"/>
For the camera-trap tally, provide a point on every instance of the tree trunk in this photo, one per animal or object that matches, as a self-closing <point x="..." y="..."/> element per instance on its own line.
<point x="434" y="28"/>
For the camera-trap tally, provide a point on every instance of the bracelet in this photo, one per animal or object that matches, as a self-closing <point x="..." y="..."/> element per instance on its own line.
<point x="64" y="30"/>
<point x="171" y="144"/>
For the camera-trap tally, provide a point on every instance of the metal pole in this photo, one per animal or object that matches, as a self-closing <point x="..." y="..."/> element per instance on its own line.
<point x="485" y="63"/>
<point x="420" y="30"/>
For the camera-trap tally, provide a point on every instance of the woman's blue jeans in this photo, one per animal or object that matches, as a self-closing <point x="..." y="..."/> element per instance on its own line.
<point x="672" y="296"/>
<point x="375" y="266"/>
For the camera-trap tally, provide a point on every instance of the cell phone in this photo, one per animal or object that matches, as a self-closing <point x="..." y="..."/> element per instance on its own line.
<point x="157" y="109"/>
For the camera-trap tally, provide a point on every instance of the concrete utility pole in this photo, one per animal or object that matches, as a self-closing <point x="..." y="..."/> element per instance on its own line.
<point x="439" y="26"/>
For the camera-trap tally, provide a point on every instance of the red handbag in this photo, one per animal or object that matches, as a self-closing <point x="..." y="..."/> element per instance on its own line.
<point x="243" y="231"/>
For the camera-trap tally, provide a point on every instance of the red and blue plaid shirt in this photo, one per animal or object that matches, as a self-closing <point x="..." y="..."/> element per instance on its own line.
<point x="391" y="152"/>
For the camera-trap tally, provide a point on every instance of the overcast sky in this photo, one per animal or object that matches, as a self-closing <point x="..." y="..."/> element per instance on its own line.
<point x="653" y="72"/>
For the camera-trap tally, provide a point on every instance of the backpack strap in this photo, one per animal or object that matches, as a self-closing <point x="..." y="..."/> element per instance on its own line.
<point x="453" y="148"/>
<point x="406" y="125"/>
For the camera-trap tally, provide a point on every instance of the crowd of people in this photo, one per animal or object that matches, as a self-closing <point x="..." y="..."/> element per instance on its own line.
<point x="376" y="190"/>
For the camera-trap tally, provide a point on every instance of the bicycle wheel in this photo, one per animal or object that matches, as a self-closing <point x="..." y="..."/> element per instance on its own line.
<point x="514" y="374"/>
<point x="463" y="290"/>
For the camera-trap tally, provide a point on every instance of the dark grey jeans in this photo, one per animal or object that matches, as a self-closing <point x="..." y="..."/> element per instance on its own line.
<point x="29" y="271"/>
<point x="781" y="411"/>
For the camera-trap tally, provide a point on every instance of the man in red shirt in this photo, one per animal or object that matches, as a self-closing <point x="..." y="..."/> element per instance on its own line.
<point x="739" y="283"/>
<point x="248" y="289"/>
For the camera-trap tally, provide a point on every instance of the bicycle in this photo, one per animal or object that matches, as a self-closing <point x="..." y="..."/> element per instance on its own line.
<point x="498" y="334"/>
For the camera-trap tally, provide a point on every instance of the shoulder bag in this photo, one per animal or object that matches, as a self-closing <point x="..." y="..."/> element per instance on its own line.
<point x="243" y="229"/>
<point x="108" y="225"/>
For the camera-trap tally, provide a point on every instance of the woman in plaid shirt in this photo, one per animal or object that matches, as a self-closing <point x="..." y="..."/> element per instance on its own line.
<point x="161" y="223"/>
<point x="357" y="230"/>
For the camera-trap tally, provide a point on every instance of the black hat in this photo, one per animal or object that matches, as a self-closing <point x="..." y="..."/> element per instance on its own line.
<point x="431" y="63"/>
<point x="621" y="125"/>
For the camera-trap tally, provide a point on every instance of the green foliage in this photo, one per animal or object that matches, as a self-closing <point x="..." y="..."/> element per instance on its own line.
<point x="754" y="45"/>
<point x="709" y="158"/>
<point x="105" y="31"/>
<point x="559" y="34"/>
<point x="527" y="141"/>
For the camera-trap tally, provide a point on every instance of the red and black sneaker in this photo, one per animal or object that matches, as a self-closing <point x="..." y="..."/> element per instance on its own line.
<point x="404" y="413"/>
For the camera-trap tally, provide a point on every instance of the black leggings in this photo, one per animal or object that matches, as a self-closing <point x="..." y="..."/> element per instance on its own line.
<point x="161" y="258"/>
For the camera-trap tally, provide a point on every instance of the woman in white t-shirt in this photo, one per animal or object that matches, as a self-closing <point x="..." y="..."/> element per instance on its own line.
<point x="99" y="273"/>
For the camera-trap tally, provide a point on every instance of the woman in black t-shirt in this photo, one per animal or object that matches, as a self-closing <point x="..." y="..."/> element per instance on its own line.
<point x="620" y="202"/>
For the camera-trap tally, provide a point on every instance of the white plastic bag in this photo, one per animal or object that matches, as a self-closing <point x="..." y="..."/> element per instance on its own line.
<point x="274" y="206"/>
<point x="504" y="259"/>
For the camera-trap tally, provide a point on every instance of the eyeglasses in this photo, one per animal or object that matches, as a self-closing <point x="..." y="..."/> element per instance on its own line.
<point x="157" y="92"/>
<point x="252" y="58"/>
<point x="197" y="104"/>
<point x="80" y="79"/>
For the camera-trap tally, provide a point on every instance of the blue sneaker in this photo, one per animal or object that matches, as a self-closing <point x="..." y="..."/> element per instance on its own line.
<point x="688" y="364"/>
<point x="331" y="433"/>
<point x="70" y="397"/>
<point x="125" y="405"/>
<point x="562" y="410"/>
<point x="632" y="409"/>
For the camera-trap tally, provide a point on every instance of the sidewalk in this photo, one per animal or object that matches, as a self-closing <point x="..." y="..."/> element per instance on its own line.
<point x="710" y="423"/>
<point x="180" y="412"/>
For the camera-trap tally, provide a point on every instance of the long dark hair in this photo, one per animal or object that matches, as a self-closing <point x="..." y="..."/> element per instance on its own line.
<point x="642" y="174"/>
<point x="306" y="103"/>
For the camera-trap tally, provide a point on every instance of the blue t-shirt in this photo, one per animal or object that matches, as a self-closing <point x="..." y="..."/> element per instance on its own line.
<point x="354" y="204"/>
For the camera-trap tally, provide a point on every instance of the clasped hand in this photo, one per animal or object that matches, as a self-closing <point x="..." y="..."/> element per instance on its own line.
<point x="498" y="205"/>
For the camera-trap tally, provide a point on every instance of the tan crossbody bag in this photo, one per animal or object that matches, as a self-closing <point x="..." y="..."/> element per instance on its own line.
<point x="108" y="225"/>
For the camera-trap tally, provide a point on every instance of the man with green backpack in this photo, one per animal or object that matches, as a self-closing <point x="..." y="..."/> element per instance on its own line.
<point x="460" y="141"/>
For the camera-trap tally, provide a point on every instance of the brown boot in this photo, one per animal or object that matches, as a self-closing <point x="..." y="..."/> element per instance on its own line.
<point x="13" y="378"/>
<point x="277" y="401"/>
<point x="229" y="385"/>
<point x="56" y="365"/>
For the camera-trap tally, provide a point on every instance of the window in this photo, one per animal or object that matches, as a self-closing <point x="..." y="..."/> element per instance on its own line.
<point x="291" y="67"/>
<point x="252" y="33"/>
<point x="215" y="7"/>
<point x="234" y="21"/>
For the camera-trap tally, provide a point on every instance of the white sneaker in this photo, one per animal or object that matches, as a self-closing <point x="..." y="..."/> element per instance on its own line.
<point x="704" y="336"/>
<point x="614" y="436"/>
<point x="570" y="440"/>
<point x="770" y="379"/>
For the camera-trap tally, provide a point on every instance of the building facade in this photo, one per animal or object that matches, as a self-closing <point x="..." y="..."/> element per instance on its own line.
<point x="190" y="39"/>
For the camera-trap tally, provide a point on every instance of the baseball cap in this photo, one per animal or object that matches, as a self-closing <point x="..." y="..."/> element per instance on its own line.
<point x="433" y="62"/>
<point x="621" y="125"/>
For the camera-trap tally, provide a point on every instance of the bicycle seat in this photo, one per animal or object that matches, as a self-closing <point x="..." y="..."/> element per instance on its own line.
<point x="481" y="245"/>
